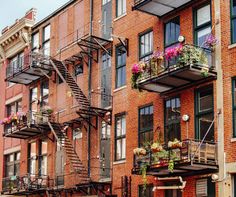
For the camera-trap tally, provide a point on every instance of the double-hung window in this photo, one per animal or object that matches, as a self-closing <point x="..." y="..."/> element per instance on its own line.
<point x="120" y="7"/>
<point x="120" y="66"/>
<point x="35" y="42"/>
<point x="120" y="137"/>
<point x="145" y="45"/>
<point x="32" y="157"/>
<point x="46" y="40"/>
<point x="44" y="93"/>
<point x="145" y="124"/>
<point x="202" y="24"/>
<point x="172" y="119"/>
<point x="204" y="113"/>
<point x="12" y="164"/>
<point x="234" y="106"/>
<point x="172" y="32"/>
<point x="43" y="150"/>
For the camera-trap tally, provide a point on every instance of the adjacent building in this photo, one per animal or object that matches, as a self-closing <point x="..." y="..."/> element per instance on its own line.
<point x="120" y="98"/>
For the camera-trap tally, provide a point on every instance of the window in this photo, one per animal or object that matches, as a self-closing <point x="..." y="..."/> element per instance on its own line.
<point x="35" y="42"/>
<point x="172" y="119"/>
<point x="145" y="124"/>
<point x="33" y="99"/>
<point x="172" y="32"/>
<point x="43" y="150"/>
<point x="233" y="185"/>
<point x="44" y="93"/>
<point x="77" y="134"/>
<point x="120" y="137"/>
<point x="106" y="131"/>
<point x="105" y="2"/>
<point x="145" y="46"/>
<point x="202" y="24"/>
<point x="204" y="113"/>
<point x="234" y="106"/>
<point x="145" y="192"/>
<point x="78" y="69"/>
<point x="46" y="40"/>
<point x="32" y="156"/>
<point x="173" y="193"/>
<point x="233" y="21"/>
<point x="120" y="7"/>
<point x="12" y="164"/>
<point x="120" y="66"/>
<point x="14" y="107"/>
<point x="205" y="187"/>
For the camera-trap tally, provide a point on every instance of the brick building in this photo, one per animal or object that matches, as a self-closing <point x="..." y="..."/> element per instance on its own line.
<point x="71" y="119"/>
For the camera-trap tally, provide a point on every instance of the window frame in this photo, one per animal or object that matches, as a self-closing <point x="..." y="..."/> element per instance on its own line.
<point x="31" y="158"/>
<point x="34" y="48"/>
<point x="205" y="25"/>
<point x="198" y="114"/>
<point x="148" y="187"/>
<point x="123" y="9"/>
<point x="46" y="96"/>
<point x="79" y="65"/>
<point x="166" y="22"/>
<point x="118" y="47"/>
<point x="141" y="57"/>
<point x="11" y="163"/>
<point x="166" y="137"/>
<point x="233" y="107"/>
<point x="41" y="156"/>
<point x="139" y="117"/>
<point x="232" y="17"/>
<point x="44" y="42"/>
<point x="121" y="137"/>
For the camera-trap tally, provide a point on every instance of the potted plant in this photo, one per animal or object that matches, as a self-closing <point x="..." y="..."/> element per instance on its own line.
<point x="140" y="151"/>
<point x="136" y="74"/>
<point x="175" y="144"/>
<point x="156" y="147"/>
<point x="211" y="41"/>
<point x="155" y="63"/>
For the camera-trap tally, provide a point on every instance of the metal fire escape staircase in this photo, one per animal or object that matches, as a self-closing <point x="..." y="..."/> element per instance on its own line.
<point x="66" y="145"/>
<point x="86" y="111"/>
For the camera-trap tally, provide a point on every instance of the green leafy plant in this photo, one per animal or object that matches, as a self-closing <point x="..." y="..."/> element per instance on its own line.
<point x="143" y="171"/>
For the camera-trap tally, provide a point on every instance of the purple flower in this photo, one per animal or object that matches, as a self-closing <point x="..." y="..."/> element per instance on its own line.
<point x="210" y="41"/>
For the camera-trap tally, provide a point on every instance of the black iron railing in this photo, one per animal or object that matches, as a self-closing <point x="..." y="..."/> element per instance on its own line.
<point x="25" y="183"/>
<point x="187" y="55"/>
<point x="191" y="151"/>
<point x="17" y="122"/>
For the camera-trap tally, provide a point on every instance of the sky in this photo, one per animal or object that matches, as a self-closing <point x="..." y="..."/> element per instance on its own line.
<point x="10" y="10"/>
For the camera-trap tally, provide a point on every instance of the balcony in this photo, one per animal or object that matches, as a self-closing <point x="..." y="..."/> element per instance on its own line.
<point x="192" y="66"/>
<point x="192" y="158"/>
<point x="25" y="126"/>
<point x="159" y="7"/>
<point x="28" y="69"/>
<point x="25" y="185"/>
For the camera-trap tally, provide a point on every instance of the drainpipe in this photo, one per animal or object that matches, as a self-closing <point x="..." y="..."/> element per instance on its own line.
<point x="219" y="99"/>
<point x="90" y="62"/>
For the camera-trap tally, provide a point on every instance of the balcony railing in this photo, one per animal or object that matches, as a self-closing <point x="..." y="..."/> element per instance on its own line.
<point x="159" y="7"/>
<point x="26" y="125"/>
<point x="192" y="157"/>
<point x="27" y="183"/>
<point x="180" y="67"/>
<point x="28" y="69"/>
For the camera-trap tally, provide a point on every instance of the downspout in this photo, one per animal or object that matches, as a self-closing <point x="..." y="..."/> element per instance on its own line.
<point x="219" y="99"/>
<point x="89" y="85"/>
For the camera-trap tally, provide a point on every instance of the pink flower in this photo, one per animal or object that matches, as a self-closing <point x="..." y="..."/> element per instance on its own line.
<point x="136" y="69"/>
<point x="211" y="41"/>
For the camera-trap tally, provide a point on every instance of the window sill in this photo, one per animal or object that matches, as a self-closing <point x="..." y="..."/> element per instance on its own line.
<point x="233" y="139"/>
<point x="120" y="88"/>
<point x="119" y="17"/>
<point x="119" y="162"/>
<point x="232" y="46"/>
<point x="10" y="86"/>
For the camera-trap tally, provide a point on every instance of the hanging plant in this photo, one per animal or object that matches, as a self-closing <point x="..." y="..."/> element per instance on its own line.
<point x="143" y="171"/>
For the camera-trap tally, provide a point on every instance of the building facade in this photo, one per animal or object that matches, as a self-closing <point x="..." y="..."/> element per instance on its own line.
<point x="120" y="98"/>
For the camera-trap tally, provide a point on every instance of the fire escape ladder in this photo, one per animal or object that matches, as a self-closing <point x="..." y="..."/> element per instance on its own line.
<point x="69" y="150"/>
<point x="85" y="110"/>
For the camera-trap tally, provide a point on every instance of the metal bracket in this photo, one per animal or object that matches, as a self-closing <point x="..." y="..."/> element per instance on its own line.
<point x="125" y="44"/>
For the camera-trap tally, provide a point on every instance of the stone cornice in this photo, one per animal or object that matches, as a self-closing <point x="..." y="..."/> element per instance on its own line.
<point x="16" y="31"/>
